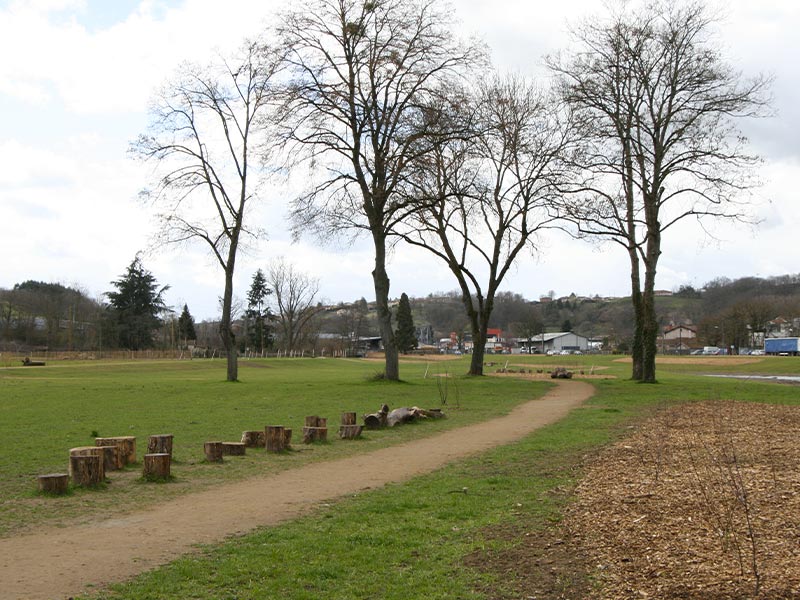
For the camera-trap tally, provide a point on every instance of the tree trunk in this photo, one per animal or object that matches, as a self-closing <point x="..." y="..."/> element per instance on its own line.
<point x="254" y="439"/>
<point x="381" y="281"/>
<point x="157" y="466"/>
<point x="213" y="451"/>
<point x="637" y="345"/>
<point x="315" y="430"/>
<point x="276" y="440"/>
<point x="233" y="448"/>
<point x="350" y="432"/>
<point x="86" y="466"/>
<point x="111" y="458"/>
<point x="226" y="325"/>
<point x="54" y="483"/>
<point x="126" y="445"/>
<point x="160" y="444"/>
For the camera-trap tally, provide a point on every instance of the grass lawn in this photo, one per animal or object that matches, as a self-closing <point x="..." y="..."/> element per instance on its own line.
<point x="415" y="540"/>
<point x="45" y="411"/>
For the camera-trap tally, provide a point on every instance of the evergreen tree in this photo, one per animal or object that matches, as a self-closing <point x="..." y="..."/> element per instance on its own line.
<point x="135" y="306"/>
<point x="258" y="311"/>
<point x="186" y="326"/>
<point x="406" y="334"/>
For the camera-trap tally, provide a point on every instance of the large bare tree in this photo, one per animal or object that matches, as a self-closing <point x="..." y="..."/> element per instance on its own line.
<point x="206" y="131"/>
<point x="363" y="72"/>
<point x="484" y="197"/>
<point x="294" y="295"/>
<point x="657" y="105"/>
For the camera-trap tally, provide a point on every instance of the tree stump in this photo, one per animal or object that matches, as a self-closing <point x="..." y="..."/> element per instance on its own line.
<point x="350" y="432"/>
<point x="127" y="444"/>
<point x="213" y="451"/>
<point x="88" y="451"/>
<point x="254" y="439"/>
<point x="54" y="483"/>
<point x="160" y="444"/>
<point x="111" y="458"/>
<point x="86" y="469"/>
<point x="287" y="438"/>
<point x="315" y="430"/>
<point x="276" y="438"/>
<point x="233" y="448"/>
<point x="157" y="466"/>
<point x="348" y="418"/>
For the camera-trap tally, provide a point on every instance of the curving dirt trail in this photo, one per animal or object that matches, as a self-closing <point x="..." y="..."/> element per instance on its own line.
<point x="59" y="563"/>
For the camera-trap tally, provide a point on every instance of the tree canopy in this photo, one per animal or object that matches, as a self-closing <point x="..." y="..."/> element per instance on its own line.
<point x="135" y="306"/>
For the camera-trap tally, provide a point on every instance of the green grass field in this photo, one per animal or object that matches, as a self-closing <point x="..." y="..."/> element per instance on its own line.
<point x="403" y="541"/>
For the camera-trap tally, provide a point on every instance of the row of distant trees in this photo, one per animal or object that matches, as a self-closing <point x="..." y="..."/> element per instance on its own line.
<point x="403" y="131"/>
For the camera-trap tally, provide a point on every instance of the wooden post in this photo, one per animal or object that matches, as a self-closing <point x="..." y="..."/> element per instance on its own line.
<point x="254" y="439"/>
<point x="233" y="448"/>
<point x="276" y="440"/>
<point x="88" y="451"/>
<point x="127" y="444"/>
<point x="111" y="458"/>
<point x="86" y="469"/>
<point x="157" y="466"/>
<point x="54" y="483"/>
<point x="350" y="432"/>
<point x="213" y="451"/>
<point x="160" y="444"/>
<point x="315" y="430"/>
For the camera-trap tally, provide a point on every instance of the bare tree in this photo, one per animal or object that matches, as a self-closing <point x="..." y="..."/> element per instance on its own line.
<point x="657" y="106"/>
<point x="363" y="72"/>
<point x="295" y="299"/>
<point x="206" y="129"/>
<point x="486" y="196"/>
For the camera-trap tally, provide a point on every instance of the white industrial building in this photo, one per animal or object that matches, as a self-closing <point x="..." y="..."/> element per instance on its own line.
<point x="555" y="342"/>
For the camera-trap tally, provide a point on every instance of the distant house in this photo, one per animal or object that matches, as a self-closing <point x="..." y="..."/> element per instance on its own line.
<point x="678" y="338"/>
<point x="553" y="342"/>
<point x="779" y="327"/>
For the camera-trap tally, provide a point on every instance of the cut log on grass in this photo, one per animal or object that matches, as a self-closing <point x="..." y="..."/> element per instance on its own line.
<point x="127" y="444"/>
<point x="111" y="458"/>
<point x="86" y="469"/>
<point x="350" y="432"/>
<point x="27" y="362"/>
<point x="233" y="448"/>
<point x="54" y="483"/>
<point x="411" y="414"/>
<point x="378" y="419"/>
<point x="287" y="438"/>
<point x="276" y="438"/>
<point x="348" y="418"/>
<point x="254" y="439"/>
<point x="315" y="434"/>
<point x="315" y="421"/>
<point x="157" y="466"/>
<point x="213" y="451"/>
<point x="160" y="444"/>
<point x="88" y="451"/>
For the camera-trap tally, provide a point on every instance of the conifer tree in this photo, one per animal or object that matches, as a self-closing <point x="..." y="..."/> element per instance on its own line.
<point x="186" y="326"/>
<point x="406" y="334"/>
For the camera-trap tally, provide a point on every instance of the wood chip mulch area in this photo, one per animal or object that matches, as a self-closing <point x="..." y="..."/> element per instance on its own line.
<point x="702" y="501"/>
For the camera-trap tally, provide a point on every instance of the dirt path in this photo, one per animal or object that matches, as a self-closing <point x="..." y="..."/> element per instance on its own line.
<point x="58" y="563"/>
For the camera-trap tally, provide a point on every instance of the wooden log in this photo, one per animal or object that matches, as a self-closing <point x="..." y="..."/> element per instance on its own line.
<point x="378" y="419"/>
<point x="233" y="448"/>
<point x="254" y="439"/>
<point x="157" y="466"/>
<point x="111" y="458"/>
<point x="213" y="451"/>
<point x="276" y="440"/>
<point x="315" y="421"/>
<point x="160" y="444"/>
<point x="348" y="418"/>
<point x="27" y="362"/>
<point x="86" y="469"/>
<point x="401" y="415"/>
<point x="127" y="444"/>
<point x="88" y="451"/>
<point x="315" y="434"/>
<point x="350" y="432"/>
<point x="287" y="438"/>
<point x="53" y="483"/>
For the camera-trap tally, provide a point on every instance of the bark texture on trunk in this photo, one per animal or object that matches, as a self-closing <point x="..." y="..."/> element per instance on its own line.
<point x="381" y="282"/>
<point x="157" y="466"/>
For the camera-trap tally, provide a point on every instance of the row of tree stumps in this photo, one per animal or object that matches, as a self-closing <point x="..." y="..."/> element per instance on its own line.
<point x="88" y="465"/>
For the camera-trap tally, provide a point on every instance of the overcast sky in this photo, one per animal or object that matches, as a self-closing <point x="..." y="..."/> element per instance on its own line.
<point x="76" y="77"/>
